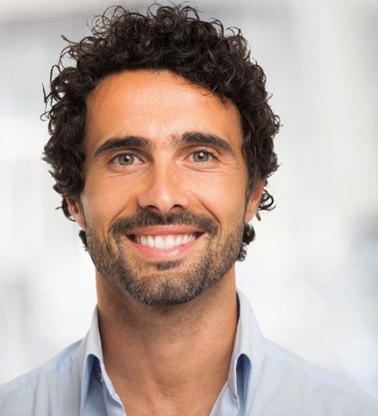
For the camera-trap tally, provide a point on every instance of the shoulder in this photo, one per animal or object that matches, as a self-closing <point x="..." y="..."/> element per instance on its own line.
<point x="299" y="384"/>
<point x="282" y="383"/>
<point x="39" y="391"/>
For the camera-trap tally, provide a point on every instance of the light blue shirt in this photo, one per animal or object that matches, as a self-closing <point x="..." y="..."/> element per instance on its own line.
<point x="263" y="380"/>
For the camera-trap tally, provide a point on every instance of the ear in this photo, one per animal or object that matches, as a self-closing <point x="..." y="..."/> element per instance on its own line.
<point x="254" y="200"/>
<point x="76" y="210"/>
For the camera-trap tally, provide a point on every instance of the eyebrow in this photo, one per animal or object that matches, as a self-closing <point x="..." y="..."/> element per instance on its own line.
<point x="122" y="143"/>
<point x="137" y="142"/>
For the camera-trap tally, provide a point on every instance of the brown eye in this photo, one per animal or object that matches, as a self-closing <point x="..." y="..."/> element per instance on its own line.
<point x="201" y="156"/>
<point x="126" y="159"/>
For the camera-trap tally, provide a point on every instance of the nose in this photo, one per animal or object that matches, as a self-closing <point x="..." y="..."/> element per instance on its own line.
<point x="164" y="190"/>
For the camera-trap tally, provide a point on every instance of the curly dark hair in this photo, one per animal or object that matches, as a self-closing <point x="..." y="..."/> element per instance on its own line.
<point x="172" y="38"/>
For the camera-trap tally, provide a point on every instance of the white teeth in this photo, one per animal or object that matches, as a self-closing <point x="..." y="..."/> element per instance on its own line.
<point x="169" y="242"/>
<point x="159" y="242"/>
<point x="164" y="242"/>
<point x="150" y="242"/>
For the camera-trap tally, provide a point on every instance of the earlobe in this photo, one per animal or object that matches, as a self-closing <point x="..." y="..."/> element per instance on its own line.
<point x="254" y="200"/>
<point x="76" y="210"/>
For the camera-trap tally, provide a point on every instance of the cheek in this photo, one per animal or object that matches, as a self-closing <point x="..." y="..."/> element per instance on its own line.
<point x="223" y="197"/>
<point x="104" y="200"/>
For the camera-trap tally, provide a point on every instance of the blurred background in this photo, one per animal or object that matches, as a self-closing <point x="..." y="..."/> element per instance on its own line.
<point x="311" y="274"/>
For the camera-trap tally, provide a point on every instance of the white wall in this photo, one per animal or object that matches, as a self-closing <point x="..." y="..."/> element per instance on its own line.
<point x="312" y="272"/>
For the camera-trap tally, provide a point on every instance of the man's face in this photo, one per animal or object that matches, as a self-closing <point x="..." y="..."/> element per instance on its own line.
<point x="164" y="202"/>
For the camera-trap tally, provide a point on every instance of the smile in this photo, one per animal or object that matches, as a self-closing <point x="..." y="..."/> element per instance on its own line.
<point x="164" y="242"/>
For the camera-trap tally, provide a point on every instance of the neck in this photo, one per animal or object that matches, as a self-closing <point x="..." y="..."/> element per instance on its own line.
<point x="168" y="357"/>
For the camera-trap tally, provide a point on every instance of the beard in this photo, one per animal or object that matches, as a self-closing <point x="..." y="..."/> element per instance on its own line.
<point x="169" y="282"/>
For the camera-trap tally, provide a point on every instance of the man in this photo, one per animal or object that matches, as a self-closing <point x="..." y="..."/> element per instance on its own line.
<point x="161" y="145"/>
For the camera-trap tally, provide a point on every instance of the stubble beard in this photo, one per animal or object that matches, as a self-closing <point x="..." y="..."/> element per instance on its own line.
<point x="169" y="282"/>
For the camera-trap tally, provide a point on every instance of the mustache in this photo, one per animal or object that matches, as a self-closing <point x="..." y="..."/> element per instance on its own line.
<point x="147" y="217"/>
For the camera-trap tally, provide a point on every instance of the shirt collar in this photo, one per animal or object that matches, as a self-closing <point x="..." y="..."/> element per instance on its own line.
<point x="249" y="350"/>
<point x="90" y="357"/>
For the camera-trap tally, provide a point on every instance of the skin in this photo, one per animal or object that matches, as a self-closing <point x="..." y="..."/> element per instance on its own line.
<point x="166" y="360"/>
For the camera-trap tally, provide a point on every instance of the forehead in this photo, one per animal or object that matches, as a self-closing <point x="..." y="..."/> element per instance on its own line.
<point x="158" y="106"/>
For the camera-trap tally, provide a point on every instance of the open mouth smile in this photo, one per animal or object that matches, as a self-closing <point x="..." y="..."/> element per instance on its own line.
<point x="164" y="242"/>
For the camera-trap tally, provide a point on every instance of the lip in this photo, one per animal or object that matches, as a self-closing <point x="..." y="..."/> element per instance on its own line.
<point x="159" y="254"/>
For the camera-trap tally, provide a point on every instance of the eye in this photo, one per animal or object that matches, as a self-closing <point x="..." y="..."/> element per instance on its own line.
<point x="126" y="159"/>
<point x="202" y="156"/>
